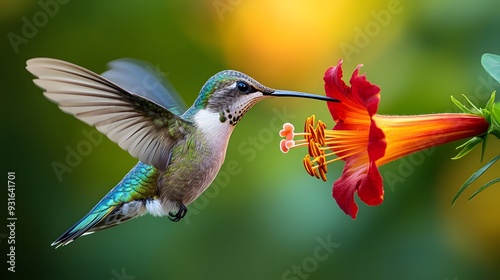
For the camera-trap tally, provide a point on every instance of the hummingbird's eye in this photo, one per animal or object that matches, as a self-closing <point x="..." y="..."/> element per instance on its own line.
<point x="243" y="87"/>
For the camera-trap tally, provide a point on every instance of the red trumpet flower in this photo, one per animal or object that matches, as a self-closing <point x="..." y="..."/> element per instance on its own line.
<point x="366" y="140"/>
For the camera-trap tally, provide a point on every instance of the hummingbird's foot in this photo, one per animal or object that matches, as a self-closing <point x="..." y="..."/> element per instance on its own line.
<point x="179" y="215"/>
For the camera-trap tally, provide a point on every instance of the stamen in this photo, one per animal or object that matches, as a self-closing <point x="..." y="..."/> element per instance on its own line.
<point x="315" y="168"/>
<point x="320" y="133"/>
<point x="309" y="166"/>
<point x="341" y="145"/>
<point x="285" y="145"/>
<point x="308" y="127"/>
<point x="322" y="165"/>
<point x="314" y="149"/>
<point x="310" y="134"/>
<point x="287" y="131"/>
<point x="322" y="168"/>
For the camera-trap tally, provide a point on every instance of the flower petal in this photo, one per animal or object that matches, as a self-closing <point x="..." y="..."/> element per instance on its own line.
<point x="364" y="179"/>
<point x="365" y="92"/>
<point x="377" y="143"/>
<point x="357" y="103"/>
<point x="371" y="189"/>
<point x="345" y="187"/>
<point x="344" y="195"/>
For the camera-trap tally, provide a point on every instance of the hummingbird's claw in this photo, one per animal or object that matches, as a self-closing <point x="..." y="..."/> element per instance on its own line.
<point x="179" y="215"/>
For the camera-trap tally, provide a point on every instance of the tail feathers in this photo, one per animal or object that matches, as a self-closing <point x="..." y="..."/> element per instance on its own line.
<point x="100" y="218"/>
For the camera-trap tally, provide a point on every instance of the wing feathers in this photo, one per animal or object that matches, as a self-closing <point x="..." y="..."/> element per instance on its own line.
<point x="139" y="125"/>
<point x="146" y="80"/>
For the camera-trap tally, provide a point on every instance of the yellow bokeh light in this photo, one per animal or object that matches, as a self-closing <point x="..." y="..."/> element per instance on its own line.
<point x="287" y="42"/>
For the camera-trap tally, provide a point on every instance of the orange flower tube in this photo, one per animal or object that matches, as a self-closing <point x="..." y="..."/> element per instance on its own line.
<point x="366" y="140"/>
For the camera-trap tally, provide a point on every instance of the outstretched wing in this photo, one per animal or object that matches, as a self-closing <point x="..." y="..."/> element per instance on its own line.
<point x="139" y="125"/>
<point x="145" y="80"/>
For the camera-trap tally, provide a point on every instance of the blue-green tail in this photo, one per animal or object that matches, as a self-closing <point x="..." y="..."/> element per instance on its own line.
<point x="125" y="201"/>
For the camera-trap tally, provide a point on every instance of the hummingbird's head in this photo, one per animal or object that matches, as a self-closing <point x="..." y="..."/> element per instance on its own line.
<point x="231" y="94"/>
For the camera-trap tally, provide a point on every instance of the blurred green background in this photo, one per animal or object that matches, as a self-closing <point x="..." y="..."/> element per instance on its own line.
<point x="264" y="217"/>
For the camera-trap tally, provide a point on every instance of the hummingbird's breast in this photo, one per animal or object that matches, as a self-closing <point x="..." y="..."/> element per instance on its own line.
<point x="196" y="159"/>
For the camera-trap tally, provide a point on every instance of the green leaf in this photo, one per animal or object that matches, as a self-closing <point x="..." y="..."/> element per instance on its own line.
<point x="494" y="181"/>
<point x="461" y="106"/>
<point x="472" y="104"/>
<point x="468" y="146"/>
<point x="473" y="178"/>
<point x="491" y="101"/>
<point x="483" y="147"/>
<point x="495" y="120"/>
<point x="491" y="63"/>
<point x="495" y="113"/>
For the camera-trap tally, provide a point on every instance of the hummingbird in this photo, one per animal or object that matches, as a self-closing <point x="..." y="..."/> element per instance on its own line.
<point x="180" y="151"/>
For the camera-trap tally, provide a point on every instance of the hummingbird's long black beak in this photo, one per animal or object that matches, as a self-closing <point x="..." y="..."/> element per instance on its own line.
<point x="286" y="93"/>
